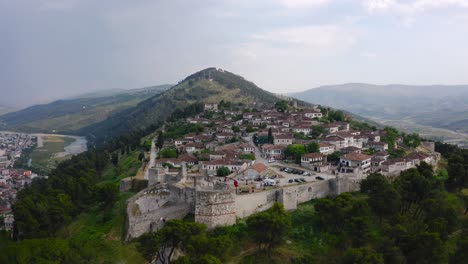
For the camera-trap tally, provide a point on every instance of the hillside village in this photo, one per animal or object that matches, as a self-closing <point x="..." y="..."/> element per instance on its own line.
<point x="233" y="160"/>
<point x="228" y="138"/>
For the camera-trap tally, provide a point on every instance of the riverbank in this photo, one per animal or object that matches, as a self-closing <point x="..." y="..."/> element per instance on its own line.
<point x="50" y="150"/>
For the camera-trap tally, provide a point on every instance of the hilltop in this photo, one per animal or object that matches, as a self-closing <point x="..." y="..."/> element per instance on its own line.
<point x="436" y="106"/>
<point x="69" y="115"/>
<point x="210" y="85"/>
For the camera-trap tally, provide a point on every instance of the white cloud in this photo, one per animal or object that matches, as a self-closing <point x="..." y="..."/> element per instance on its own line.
<point x="412" y="6"/>
<point x="303" y="3"/>
<point x="301" y="41"/>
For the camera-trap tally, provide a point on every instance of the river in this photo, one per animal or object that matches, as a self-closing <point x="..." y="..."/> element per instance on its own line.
<point x="78" y="146"/>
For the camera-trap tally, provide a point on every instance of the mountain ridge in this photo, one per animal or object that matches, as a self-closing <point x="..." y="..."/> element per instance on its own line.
<point x="441" y="106"/>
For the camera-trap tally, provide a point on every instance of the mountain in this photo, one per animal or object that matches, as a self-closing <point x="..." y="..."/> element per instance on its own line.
<point x="68" y="116"/>
<point x="207" y="86"/>
<point x="435" y="106"/>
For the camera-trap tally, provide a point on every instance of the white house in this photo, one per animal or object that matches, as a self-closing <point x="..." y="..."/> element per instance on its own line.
<point x="315" y="161"/>
<point x="313" y="114"/>
<point x="326" y="148"/>
<point x="355" y="163"/>
<point x="272" y="151"/>
<point x="283" y="139"/>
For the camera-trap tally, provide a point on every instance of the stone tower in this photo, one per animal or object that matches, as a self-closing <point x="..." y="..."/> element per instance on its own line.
<point x="215" y="208"/>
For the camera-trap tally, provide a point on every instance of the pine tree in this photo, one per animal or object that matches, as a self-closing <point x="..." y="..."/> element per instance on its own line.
<point x="270" y="136"/>
<point x="160" y="141"/>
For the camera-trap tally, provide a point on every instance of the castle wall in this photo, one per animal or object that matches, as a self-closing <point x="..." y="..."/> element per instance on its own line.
<point x="220" y="206"/>
<point x="146" y="209"/>
<point x="291" y="196"/>
<point x="247" y="204"/>
<point x="215" y="208"/>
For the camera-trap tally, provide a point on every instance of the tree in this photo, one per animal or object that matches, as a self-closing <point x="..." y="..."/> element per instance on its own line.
<point x="141" y="156"/>
<point x="281" y="106"/>
<point x="457" y="176"/>
<point x="247" y="156"/>
<point x="223" y="172"/>
<point x="107" y="194"/>
<point x="270" y="227"/>
<point x="295" y="151"/>
<point x="313" y="147"/>
<point x="334" y="158"/>
<point x="168" y="153"/>
<point x="383" y="198"/>
<point x="249" y="129"/>
<point x="317" y="131"/>
<point x="390" y="137"/>
<point x="160" y="140"/>
<point x="270" y="136"/>
<point x="363" y="255"/>
<point x="412" y="140"/>
<point x="115" y="158"/>
<point x="174" y="234"/>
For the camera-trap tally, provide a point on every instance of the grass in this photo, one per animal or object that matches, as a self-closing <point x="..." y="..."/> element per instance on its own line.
<point x="46" y="157"/>
<point x="128" y="166"/>
<point x="104" y="232"/>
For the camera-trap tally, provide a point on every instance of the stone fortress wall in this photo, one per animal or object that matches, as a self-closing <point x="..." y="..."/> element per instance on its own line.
<point x="216" y="203"/>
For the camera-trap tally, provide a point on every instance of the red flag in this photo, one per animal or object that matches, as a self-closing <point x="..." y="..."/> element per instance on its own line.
<point x="236" y="183"/>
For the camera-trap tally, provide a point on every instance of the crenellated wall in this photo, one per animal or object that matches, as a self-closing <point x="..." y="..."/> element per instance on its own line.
<point x="219" y="205"/>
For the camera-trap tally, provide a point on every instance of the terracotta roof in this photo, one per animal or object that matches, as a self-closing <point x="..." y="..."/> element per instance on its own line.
<point x="382" y="153"/>
<point x="259" y="167"/>
<point x="356" y="157"/>
<point x="223" y="162"/>
<point x="351" y="148"/>
<point x="284" y="136"/>
<point x="324" y="145"/>
<point x="333" y="138"/>
<point x="271" y="147"/>
<point x="314" y="155"/>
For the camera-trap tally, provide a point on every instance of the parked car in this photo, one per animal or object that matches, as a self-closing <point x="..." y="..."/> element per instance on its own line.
<point x="297" y="180"/>
<point x="302" y="180"/>
<point x="271" y="160"/>
<point x="291" y="181"/>
<point x="319" y="178"/>
<point x="269" y="182"/>
<point x="306" y="173"/>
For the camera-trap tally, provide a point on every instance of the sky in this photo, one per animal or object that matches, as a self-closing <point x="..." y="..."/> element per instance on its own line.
<point x="52" y="49"/>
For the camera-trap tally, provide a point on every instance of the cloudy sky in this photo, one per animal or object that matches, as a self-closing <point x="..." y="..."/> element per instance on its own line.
<point x="55" y="48"/>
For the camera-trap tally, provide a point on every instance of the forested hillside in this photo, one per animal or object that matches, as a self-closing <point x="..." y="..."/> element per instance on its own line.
<point x="68" y="116"/>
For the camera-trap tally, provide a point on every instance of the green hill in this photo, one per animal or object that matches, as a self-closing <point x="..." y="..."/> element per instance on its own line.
<point x="68" y="116"/>
<point x="207" y="86"/>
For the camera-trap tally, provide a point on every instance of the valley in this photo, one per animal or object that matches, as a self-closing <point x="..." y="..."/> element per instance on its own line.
<point x="436" y="111"/>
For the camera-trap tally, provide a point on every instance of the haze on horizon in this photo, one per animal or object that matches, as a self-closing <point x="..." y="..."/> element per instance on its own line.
<point x="57" y="48"/>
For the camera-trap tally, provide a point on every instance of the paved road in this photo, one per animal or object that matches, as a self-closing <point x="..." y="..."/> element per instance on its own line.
<point x="153" y="154"/>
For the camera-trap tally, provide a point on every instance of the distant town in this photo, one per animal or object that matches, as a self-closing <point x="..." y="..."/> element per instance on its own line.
<point x="12" y="180"/>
